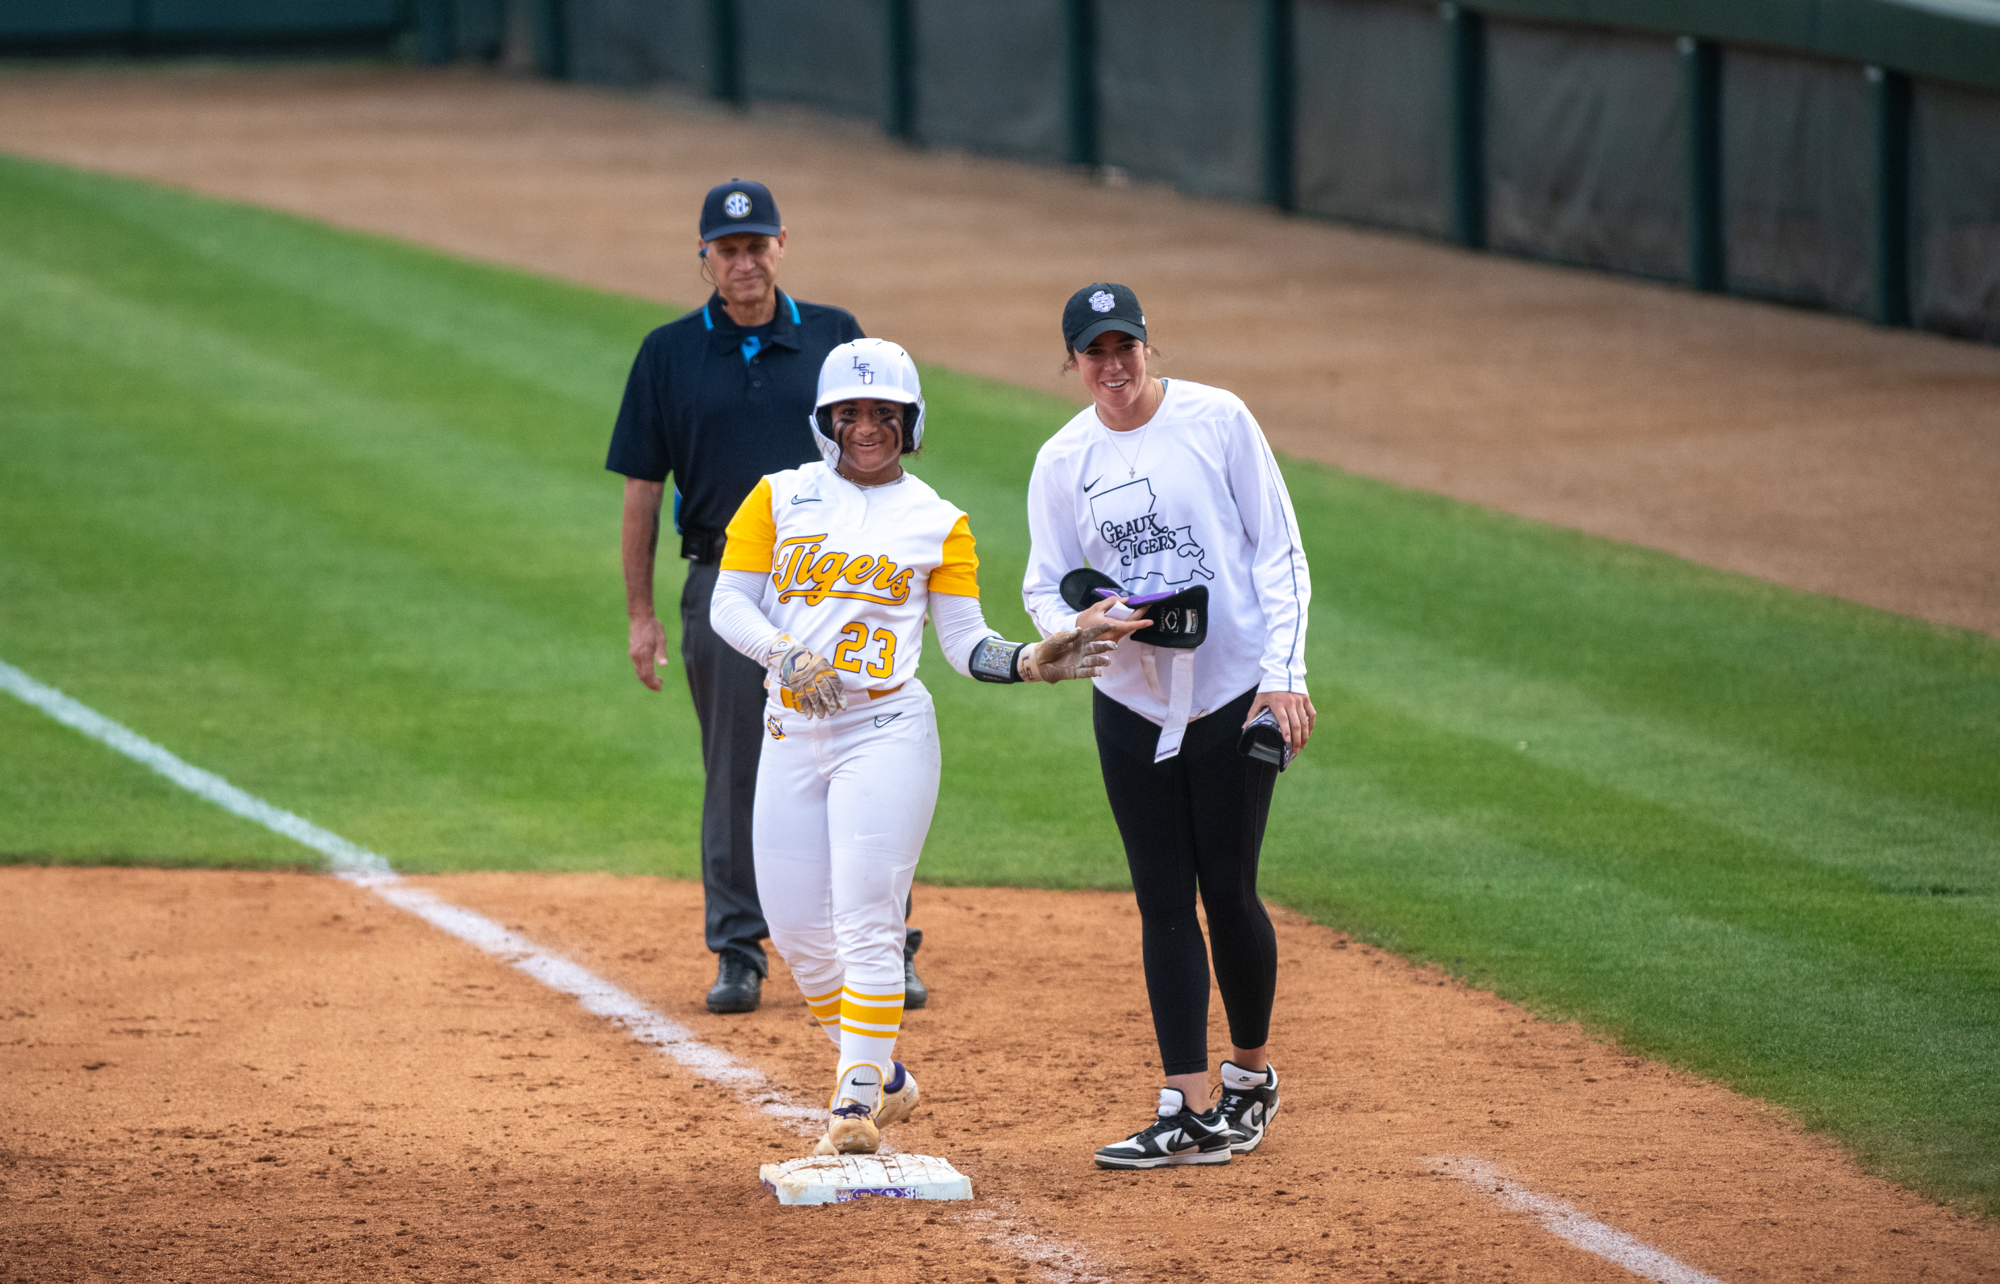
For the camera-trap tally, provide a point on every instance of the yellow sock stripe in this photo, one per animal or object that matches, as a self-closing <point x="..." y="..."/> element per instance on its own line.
<point x="896" y="998"/>
<point x="823" y="1009"/>
<point x="876" y="1020"/>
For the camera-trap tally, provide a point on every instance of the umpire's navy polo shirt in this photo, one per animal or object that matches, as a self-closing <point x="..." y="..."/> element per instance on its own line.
<point x="719" y="406"/>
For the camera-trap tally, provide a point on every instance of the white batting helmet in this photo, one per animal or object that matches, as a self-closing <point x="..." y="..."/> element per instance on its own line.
<point x="867" y="368"/>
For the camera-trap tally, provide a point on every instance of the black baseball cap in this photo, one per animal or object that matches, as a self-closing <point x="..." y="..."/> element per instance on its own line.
<point x="739" y="205"/>
<point x="1098" y="307"/>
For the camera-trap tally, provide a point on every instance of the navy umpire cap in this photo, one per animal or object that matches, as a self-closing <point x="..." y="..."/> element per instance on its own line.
<point x="1098" y="307"/>
<point x="739" y="206"/>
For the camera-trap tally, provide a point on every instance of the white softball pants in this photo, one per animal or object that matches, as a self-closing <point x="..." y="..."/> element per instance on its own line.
<point x="843" y="806"/>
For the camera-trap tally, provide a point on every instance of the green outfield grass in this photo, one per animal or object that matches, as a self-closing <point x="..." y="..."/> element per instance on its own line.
<point x="326" y="515"/>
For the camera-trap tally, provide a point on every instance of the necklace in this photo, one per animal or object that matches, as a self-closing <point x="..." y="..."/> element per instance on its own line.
<point x="1132" y="460"/>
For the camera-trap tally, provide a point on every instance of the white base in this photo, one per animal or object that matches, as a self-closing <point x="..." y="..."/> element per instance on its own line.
<point x="831" y="1179"/>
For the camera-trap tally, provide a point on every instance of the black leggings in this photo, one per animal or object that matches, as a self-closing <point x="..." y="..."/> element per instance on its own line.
<point x="1194" y="821"/>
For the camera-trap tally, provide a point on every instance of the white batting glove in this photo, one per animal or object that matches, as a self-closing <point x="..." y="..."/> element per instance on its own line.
<point x="814" y="684"/>
<point x="1074" y="653"/>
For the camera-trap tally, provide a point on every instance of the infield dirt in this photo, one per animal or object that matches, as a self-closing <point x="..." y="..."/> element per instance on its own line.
<point x="220" y="1075"/>
<point x="1812" y="450"/>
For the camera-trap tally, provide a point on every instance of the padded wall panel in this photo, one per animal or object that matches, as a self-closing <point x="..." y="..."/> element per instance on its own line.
<point x="1955" y="209"/>
<point x="825" y="53"/>
<point x="990" y="77"/>
<point x="1797" y="179"/>
<point x="1373" y="124"/>
<point x="1587" y="148"/>
<point x="59" y="19"/>
<point x="1179" y="93"/>
<point x="638" y="42"/>
<point x="274" y="16"/>
<point x="479" y="28"/>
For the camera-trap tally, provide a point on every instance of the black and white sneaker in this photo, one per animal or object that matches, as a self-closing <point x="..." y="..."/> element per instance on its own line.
<point x="1179" y="1136"/>
<point x="1249" y="1100"/>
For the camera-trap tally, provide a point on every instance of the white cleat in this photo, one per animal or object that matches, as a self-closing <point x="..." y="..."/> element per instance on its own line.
<point x="852" y="1130"/>
<point x="899" y="1097"/>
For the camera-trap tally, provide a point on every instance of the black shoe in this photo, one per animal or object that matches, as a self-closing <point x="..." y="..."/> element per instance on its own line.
<point x="1179" y="1136"/>
<point x="739" y="986"/>
<point x="915" y="992"/>
<point x="1247" y="1110"/>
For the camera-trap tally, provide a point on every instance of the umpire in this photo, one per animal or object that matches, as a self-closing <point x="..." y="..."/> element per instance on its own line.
<point x="719" y="398"/>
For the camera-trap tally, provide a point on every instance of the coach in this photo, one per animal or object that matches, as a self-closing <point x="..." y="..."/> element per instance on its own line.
<point x="719" y="398"/>
<point x="1167" y="491"/>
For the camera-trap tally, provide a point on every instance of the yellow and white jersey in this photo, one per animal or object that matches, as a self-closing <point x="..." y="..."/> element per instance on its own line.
<point x="849" y="569"/>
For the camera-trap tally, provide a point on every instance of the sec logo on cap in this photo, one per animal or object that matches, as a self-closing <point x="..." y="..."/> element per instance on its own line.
<point x="737" y="205"/>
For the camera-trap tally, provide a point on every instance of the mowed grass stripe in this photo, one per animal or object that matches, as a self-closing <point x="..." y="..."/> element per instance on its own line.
<point x="326" y="514"/>
<point x="275" y="528"/>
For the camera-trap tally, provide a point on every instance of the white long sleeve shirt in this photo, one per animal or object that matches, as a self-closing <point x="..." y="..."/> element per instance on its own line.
<point x="1193" y="497"/>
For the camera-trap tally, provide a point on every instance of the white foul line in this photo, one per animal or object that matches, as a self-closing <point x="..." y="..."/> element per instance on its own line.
<point x="342" y="857"/>
<point x="365" y="869"/>
<point x="1565" y="1222"/>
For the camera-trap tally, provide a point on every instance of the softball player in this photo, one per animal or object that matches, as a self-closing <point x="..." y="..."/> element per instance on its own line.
<point x="827" y="576"/>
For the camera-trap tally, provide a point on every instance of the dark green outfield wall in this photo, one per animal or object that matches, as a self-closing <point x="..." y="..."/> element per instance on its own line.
<point x="1841" y="154"/>
<point x="1837" y="154"/>
<point x="1952" y="41"/>
<point x="179" y="26"/>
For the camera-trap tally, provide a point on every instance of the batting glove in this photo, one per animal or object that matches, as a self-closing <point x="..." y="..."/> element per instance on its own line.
<point x="1074" y="653"/>
<point x="814" y="684"/>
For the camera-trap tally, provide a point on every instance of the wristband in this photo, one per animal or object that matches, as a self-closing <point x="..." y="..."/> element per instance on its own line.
<point x="996" y="660"/>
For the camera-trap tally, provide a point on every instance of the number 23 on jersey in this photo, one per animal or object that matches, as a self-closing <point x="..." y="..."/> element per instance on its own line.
<point x="855" y="638"/>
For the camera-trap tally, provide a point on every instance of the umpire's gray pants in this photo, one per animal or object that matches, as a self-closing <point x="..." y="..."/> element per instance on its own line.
<point x="728" y="690"/>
